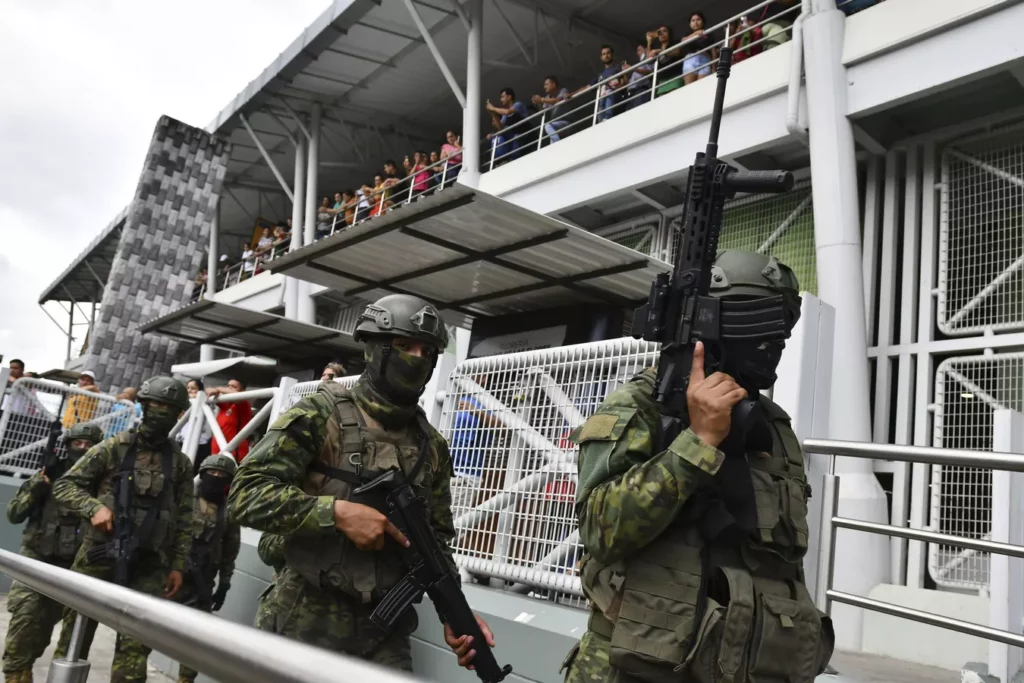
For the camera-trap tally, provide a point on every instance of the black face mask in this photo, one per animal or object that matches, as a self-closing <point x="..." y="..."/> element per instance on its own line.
<point x="753" y="363"/>
<point x="213" y="489"/>
<point x="398" y="377"/>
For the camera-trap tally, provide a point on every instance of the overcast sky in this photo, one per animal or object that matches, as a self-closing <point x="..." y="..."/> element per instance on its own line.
<point x="83" y="86"/>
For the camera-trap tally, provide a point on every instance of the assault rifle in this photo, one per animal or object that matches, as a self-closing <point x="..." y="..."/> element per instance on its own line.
<point x="121" y="547"/>
<point x="680" y="311"/>
<point x="429" y="573"/>
<point x="50" y="460"/>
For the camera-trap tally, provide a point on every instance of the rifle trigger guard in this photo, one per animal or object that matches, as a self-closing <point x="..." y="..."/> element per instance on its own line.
<point x="356" y="460"/>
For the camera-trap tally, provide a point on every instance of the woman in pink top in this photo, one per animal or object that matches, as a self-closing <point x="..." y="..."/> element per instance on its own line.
<point x="421" y="179"/>
<point x="451" y="151"/>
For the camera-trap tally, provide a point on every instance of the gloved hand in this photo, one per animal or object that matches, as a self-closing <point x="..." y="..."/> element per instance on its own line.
<point x="220" y="595"/>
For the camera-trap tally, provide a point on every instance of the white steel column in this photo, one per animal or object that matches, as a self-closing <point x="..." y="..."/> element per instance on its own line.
<point x="206" y="350"/>
<point x="306" y="306"/>
<point x="862" y="560"/>
<point x="291" y="296"/>
<point x="1006" y="575"/>
<point x="470" y="171"/>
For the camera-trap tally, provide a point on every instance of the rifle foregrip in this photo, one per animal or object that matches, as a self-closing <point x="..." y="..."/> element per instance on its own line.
<point x="462" y="621"/>
<point x="760" y="181"/>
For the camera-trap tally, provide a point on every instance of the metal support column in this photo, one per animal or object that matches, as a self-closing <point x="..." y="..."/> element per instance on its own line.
<point x="863" y="560"/>
<point x="441" y="64"/>
<point x="206" y="350"/>
<point x="267" y="158"/>
<point x="472" y="110"/>
<point x="291" y="297"/>
<point x="1006" y="574"/>
<point x="71" y="332"/>
<point x="306" y="306"/>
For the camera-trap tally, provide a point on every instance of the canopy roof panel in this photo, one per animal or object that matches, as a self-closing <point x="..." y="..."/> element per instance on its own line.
<point x="473" y="254"/>
<point x="253" y="333"/>
<point x="84" y="279"/>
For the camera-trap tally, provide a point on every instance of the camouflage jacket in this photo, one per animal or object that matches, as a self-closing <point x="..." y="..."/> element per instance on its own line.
<point x="271" y="550"/>
<point x="204" y="528"/>
<point x="627" y="495"/>
<point x="51" y="532"/>
<point x="88" y="486"/>
<point x="33" y="491"/>
<point x="267" y="494"/>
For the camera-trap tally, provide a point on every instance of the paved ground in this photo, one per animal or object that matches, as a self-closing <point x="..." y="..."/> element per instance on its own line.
<point x="100" y="654"/>
<point x="856" y="667"/>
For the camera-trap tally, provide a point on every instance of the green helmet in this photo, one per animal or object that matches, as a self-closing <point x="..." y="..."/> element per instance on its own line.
<point x="402" y="315"/>
<point x="223" y="462"/>
<point x="166" y="390"/>
<point x="87" y="431"/>
<point x="749" y="274"/>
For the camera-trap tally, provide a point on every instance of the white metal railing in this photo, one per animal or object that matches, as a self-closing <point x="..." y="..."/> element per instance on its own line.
<point x="225" y="651"/>
<point x="507" y="420"/>
<point x="249" y="267"/>
<point x="200" y="417"/>
<point x="825" y="595"/>
<point x="35" y="404"/>
<point x="301" y="390"/>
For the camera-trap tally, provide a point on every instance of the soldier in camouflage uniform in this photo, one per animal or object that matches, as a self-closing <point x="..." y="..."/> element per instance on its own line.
<point x="341" y="555"/>
<point x="271" y="551"/>
<point x="161" y="512"/>
<point x="51" y="537"/>
<point x="216" y="541"/>
<point x="693" y="561"/>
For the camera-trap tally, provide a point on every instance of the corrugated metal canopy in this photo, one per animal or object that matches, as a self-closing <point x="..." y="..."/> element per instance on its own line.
<point x="253" y="333"/>
<point x="473" y="254"/>
<point x="83" y="281"/>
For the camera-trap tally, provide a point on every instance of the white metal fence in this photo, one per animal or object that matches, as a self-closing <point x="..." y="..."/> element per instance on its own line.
<point x="981" y="233"/>
<point x="967" y="392"/>
<point x="507" y="420"/>
<point x="300" y="390"/>
<point x="33" y="405"/>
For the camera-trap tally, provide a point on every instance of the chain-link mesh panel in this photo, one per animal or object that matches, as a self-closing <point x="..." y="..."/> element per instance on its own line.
<point x="302" y="389"/>
<point x="981" y="258"/>
<point x="507" y="420"/>
<point x="34" y="406"/>
<point x="779" y="225"/>
<point x="967" y="392"/>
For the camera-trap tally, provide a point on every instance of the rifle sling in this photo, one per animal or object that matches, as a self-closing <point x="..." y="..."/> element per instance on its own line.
<point x="127" y="472"/>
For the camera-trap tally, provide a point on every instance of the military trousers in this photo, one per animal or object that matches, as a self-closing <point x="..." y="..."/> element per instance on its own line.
<point x="33" y="616"/>
<point x="296" y="609"/>
<point x="149" y="575"/>
<point x="188" y="593"/>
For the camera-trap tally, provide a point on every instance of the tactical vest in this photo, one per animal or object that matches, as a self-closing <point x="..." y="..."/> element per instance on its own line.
<point x="208" y="525"/>
<point x="352" y="453"/>
<point x="51" y="534"/>
<point x="153" y="487"/>
<point x="727" y="607"/>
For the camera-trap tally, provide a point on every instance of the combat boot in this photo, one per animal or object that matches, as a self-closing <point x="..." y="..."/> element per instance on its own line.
<point x="18" y="677"/>
<point x="26" y="677"/>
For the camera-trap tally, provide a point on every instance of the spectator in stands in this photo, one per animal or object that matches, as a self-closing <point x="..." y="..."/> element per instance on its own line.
<point x="777" y="18"/>
<point x="551" y="102"/>
<point x="365" y="197"/>
<point x="225" y="268"/>
<point x="700" y="50"/>
<point x="608" y="93"/>
<point x="16" y="371"/>
<point x="638" y="87"/>
<point x="248" y="268"/>
<point x="325" y="217"/>
<point x="195" y="386"/>
<point x="349" y="202"/>
<point x="744" y="34"/>
<point x="421" y="176"/>
<point x="451" y="152"/>
<point x="82" y="408"/>
<point x="505" y="142"/>
<point x="231" y="417"/>
<point x="332" y="371"/>
<point x="379" y="199"/>
<point x="265" y="244"/>
<point x="281" y="237"/>
<point x="392" y="180"/>
<point x="435" y="170"/>
<point x="669" y="71"/>
<point x="121" y="419"/>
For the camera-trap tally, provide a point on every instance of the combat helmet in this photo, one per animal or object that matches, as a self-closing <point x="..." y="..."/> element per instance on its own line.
<point x="402" y="315"/>
<point x="221" y="462"/>
<point x="85" y="430"/>
<point x="166" y="390"/>
<point x="749" y="276"/>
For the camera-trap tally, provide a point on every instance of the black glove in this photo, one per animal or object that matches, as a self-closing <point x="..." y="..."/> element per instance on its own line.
<point x="219" y="595"/>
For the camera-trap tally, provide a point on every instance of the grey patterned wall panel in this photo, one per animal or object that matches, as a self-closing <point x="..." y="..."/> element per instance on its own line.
<point x="161" y="249"/>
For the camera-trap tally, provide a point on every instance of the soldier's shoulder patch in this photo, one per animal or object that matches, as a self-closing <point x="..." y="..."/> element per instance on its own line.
<point x="607" y="424"/>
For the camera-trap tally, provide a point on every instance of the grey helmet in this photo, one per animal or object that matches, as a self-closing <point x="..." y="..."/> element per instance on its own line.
<point x="222" y="462"/>
<point x="86" y="431"/>
<point x="166" y="390"/>
<point x="402" y="315"/>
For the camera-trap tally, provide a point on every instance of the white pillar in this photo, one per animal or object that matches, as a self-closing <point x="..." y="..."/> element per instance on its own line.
<point x="291" y="297"/>
<point x="470" y="173"/>
<point x="1006" y="575"/>
<point x="212" y="261"/>
<point x="306" y="306"/>
<point x="862" y="560"/>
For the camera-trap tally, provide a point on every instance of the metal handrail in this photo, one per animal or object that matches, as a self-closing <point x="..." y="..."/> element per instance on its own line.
<point x="1011" y="462"/>
<point x="226" y="651"/>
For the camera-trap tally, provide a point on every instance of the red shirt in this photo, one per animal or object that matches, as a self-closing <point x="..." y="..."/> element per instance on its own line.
<point x="231" y="418"/>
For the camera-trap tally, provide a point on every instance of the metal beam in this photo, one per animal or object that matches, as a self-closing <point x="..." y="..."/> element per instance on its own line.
<point x="343" y="128"/>
<point x="99" y="280"/>
<point x="294" y="115"/>
<point x="267" y="158"/>
<point x="228" y="192"/>
<point x="457" y="6"/>
<point x="291" y="136"/>
<point x="364" y="58"/>
<point x="452" y="83"/>
<point x="515" y="34"/>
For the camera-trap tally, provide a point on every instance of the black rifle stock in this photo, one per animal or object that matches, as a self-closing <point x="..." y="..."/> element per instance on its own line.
<point x="121" y="546"/>
<point x="429" y="573"/>
<point x="680" y="311"/>
<point x="50" y="459"/>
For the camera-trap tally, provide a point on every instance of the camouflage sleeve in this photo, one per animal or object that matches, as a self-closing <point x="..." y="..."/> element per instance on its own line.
<point x="441" y="501"/>
<point x="28" y="496"/>
<point x="72" y="490"/>
<point x="271" y="550"/>
<point x="184" y="496"/>
<point x="229" y="552"/>
<point x="626" y="497"/>
<point x="266" y="493"/>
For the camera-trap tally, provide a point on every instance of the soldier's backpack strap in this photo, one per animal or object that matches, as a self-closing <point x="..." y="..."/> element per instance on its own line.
<point x="351" y="437"/>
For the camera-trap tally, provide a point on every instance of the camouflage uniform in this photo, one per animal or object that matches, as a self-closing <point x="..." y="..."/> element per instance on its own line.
<point x="318" y="453"/>
<point x="271" y="551"/>
<point x="51" y="536"/>
<point x="166" y="550"/>
<point x="679" y="589"/>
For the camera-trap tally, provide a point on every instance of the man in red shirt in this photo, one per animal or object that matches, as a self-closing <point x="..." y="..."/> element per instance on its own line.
<point x="231" y="417"/>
